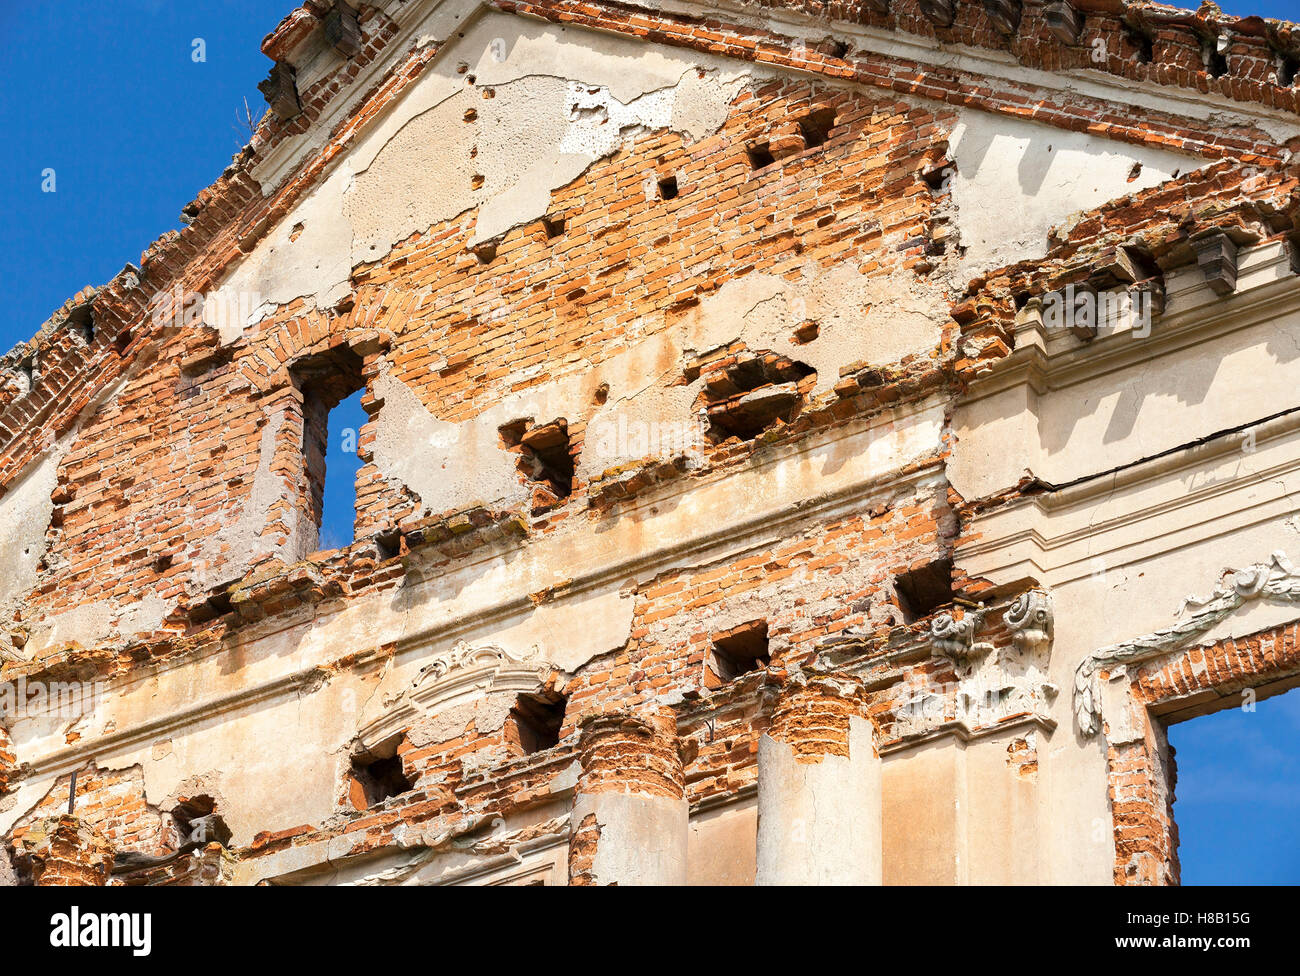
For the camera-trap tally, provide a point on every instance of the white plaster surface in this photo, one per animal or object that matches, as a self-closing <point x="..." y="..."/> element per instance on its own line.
<point x="1015" y="180"/>
<point x="820" y="823"/>
<point x="643" y="839"/>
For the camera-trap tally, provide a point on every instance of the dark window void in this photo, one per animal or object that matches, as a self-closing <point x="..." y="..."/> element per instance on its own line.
<point x="1143" y="46"/>
<point x="1237" y="792"/>
<point x="1216" y="62"/>
<point x="535" y="722"/>
<point x="1288" y="66"/>
<point x="554" y="226"/>
<point x="546" y="459"/>
<point x="738" y="651"/>
<point x="748" y="397"/>
<point x="331" y="385"/>
<point x="760" y="155"/>
<point x="668" y="187"/>
<point x="82" y="320"/>
<point x="339" y="511"/>
<point x="923" y="591"/>
<point x="816" y="128"/>
<point x="378" y="774"/>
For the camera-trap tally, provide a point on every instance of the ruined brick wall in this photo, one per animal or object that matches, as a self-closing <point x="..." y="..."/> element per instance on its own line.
<point x="806" y="269"/>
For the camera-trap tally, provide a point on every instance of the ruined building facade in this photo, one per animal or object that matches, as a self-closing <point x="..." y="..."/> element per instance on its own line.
<point x="806" y="442"/>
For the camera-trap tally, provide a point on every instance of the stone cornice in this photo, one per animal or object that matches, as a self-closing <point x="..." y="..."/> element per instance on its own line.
<point x="1053" y="359"/>
<point x="991" y="62"/>
<point x="1031" y="550"/>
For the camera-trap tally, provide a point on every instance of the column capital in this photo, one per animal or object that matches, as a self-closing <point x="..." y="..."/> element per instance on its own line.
<point x="632" y="751"/>
<point x="811" y="711"/>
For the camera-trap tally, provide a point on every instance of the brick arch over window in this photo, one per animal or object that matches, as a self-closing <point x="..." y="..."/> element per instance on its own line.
<point x="1173" y="688"/>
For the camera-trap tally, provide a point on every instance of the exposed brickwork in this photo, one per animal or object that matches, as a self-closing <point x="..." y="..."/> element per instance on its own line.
<point x="812" y="716"/>
<point x="582" y="852"/>
<point x="8" y="759"/>
<point x="166" y="467"/>
<point x="1022" y="755"/>
<point x="622" y="752"/>
<point x="112" y="803"/>
<point x="68" y="852"/>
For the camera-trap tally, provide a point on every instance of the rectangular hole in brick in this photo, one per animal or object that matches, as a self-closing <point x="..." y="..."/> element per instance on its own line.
<point x="1288" y="67"/>
<point x="760" y="155"/>
<point x="535" y="722"/>
<point x="123" y="341"/>
<point x="378" y="774"/>
<point x="554" y="226"/>
<point x="816" y="127"/>
<point x="922" y="591"/>
<point x="1216" y="62"/>
<point x="27" y="374"/>
<point x="939" y="179"/>
<point x="216" y="605"/>
<point x="332" y="387"/>
<point x="738" y="651"/>
<point x="545" y="458"/>
<point x="668" y="188"/>
<point x="82" y="320"/>
<point x="755" y="394"/>
<point x="1143" y="46"/>
<point x="388" y="544"/>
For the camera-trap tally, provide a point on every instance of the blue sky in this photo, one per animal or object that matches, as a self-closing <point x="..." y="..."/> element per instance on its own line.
<point x="109" y="96"/>
<point x="1237" y="802"/>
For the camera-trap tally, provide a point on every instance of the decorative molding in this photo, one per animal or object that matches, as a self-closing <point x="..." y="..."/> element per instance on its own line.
<point x="462" y="673"/>
<point x="1030" y="619"/>
<point x="1063" y="21"/>
<point x="469" y="669"/>
<point x="464" y="656"/>
<point x="342" y="31"/>
<point x="280" y="91"/>
<point x="955" y="639"/>
<point x="1217" y="256"/>
<point x="1052" y="359"/>
<point x="1004" y="15"/>
<point x="994" y="684"/>
<point x="1273" y="580"/>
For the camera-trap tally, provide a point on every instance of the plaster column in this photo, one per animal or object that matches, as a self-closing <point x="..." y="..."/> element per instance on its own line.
<point x="67" y="851"/>
<point x="819" y="792"/>
<point x="630" y="815"/>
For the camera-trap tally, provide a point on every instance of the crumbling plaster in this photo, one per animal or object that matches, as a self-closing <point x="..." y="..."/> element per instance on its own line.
<point x="1015" y="180"/>
<point x="268" y="688"/>
<point x="642" y="836"/>
<point x="25" y="512"/>
<point x="561" y="99"/>
<point x="650" y="410"/>
<point x="572" y="102"/>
